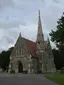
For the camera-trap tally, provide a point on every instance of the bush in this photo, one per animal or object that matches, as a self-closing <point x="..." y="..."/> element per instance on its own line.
<point x="39" y="72"/>
<point x="62" y="70"/>
<point x="12" y="71"/>
<point x="25" y="72"/>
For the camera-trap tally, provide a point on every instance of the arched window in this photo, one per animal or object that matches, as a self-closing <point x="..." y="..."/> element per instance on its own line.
<point x="16" y="52"/>
<point x="21" y="51"/>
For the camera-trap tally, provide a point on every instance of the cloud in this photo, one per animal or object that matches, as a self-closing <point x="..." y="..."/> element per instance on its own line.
<point x="5" y="3"/>
<point x="51" y="13"/>
<point x="10" y="23"/>
<point x="59" y="1"/>
<point x="8" y="38"/>
<point x="56" y="1"/>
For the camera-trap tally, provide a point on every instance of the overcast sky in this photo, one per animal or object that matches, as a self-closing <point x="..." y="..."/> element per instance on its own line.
<point x="22" y="16"/>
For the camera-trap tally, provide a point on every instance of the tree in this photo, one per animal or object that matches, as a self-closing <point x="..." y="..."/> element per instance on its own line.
<point x="57" y="37"/>
<point x="57" y="58"/>
<point x="4" y="59"/>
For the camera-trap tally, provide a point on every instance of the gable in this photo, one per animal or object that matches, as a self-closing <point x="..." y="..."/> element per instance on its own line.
<point x="20" y="45"/>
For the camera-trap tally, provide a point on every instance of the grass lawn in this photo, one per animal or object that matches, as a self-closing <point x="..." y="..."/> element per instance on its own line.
<point x="3" y="73"/>
<point x="56" y="77"/>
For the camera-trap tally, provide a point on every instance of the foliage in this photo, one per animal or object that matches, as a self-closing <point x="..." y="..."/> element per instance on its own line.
<point x="58" y="35"/>
<point x="57" y="58"/>
<point x="4" y="59"/>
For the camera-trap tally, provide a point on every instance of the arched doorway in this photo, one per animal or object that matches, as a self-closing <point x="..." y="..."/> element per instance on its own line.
<point x="20" y="67"/>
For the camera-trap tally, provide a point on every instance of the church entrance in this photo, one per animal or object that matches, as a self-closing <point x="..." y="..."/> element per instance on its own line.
<point x="20" y="67"/>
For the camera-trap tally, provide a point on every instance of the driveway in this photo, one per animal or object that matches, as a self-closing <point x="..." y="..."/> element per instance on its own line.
<point x="24" y="79"/>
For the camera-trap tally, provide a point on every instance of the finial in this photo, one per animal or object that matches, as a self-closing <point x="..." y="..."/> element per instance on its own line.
<point x="39" y="12"/>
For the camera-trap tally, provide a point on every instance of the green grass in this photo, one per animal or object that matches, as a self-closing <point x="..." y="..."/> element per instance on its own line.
<point x="3" y="73"/>
<point x="56" y="77"/>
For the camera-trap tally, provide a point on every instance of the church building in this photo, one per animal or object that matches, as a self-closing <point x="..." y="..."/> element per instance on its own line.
<point x="32" y="57"/>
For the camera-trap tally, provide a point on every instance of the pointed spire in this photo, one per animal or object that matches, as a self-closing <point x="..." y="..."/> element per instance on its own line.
<point x="39" y="24"/>
<point x="40" y="35"/>
<point x="20" y="34"/>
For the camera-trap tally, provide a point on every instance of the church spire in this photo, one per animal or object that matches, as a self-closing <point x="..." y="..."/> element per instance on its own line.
<point x="40" y="35"/>
<point x="39" y="24"/>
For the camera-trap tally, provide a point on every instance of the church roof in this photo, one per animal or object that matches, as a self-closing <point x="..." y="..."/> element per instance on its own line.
<point x="31" y="46"/>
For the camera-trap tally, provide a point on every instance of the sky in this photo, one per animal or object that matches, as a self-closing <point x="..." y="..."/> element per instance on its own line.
<point x="22" y="16"/>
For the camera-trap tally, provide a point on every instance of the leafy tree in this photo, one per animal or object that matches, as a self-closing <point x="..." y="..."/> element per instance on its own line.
<point x="57" y="58"/>
<point x="4" y="58"/>
<point x="57" y="37"/>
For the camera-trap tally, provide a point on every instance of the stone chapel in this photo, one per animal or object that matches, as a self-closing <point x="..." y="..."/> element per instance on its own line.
<point x="32" y="57"/>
